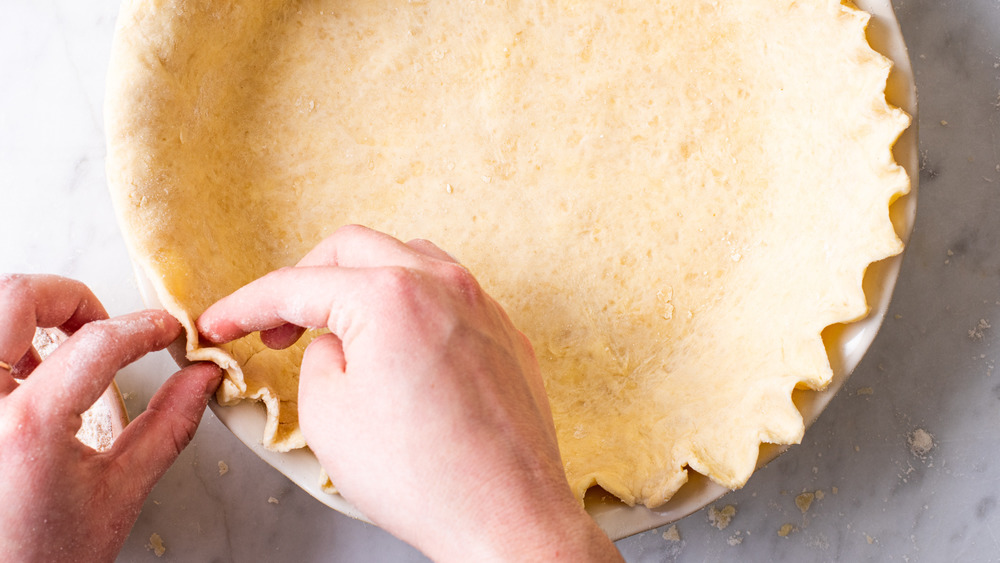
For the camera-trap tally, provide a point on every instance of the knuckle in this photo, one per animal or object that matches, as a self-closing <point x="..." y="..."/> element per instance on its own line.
<point x="14" y="284"/>
<point x="397" y="280"/>
<point x="459" y="279"/>
<point x="279" y="272"/>
<point x="19" y="427"/>
<point x="350" y="231"/>
<point x="421" y="243"/>
<point x="401" y="293"/>
<point x="181" y="427"/>
<point x="183" y="433"/>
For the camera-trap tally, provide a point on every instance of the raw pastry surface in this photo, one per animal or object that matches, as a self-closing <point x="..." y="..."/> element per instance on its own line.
<point x="672" y="199"/>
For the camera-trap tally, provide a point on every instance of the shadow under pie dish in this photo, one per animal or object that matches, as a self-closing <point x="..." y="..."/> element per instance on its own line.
<point x="691" y="194"/>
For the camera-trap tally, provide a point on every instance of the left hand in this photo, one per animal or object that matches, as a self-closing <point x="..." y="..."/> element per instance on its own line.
<point x="61" y="499"/>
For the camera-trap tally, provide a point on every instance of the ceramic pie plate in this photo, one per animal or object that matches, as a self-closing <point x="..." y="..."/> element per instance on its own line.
<point x="846" y="344"/>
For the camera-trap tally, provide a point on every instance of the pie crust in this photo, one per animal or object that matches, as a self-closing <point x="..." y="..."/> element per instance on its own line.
<point x="671" y="199"/>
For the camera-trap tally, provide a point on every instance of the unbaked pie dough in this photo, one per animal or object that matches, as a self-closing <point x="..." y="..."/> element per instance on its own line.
<point x="672" y="199"/>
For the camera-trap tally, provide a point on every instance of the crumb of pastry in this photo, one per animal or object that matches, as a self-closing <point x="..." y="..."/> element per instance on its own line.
<point x="156" y="545"/>
<point x="223" y="468"/>
<point x="721" y="518"/>
<point x="977" y="332"/>
<point x="272" y="500"/>
<point x="786" y="529"/>
<point x="804" y="501"/>
<point x="672" y="534"/>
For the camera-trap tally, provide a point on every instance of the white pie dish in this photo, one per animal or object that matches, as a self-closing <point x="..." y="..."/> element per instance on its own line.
<point x="846" y="345"/>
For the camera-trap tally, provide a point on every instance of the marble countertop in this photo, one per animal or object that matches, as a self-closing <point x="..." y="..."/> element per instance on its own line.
<point x="932" y="368"/>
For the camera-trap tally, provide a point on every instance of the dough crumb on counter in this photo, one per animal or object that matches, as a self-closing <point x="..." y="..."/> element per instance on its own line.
<point x="672" y="534"/>
<point x="978" y="332"/>
<point x="223" y="468"/>
<point x="865" y="391"/>
<point x="272" y="500"/>
<point x="804" y="501"/>
<point x="721" y="518"/>
<point x="921" y="442"/>
<point x="156" y="545"/>
<point x="786" y="529"/>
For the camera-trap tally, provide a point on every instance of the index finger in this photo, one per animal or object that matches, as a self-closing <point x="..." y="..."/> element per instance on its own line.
<point x="356" y="246"/>
<point x="350" y="246"/>
<point x="311" y="297"/>
<point x="75" y="375"/>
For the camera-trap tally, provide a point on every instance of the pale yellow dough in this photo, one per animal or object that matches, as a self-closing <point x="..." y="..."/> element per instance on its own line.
<point x="672" y="199"/>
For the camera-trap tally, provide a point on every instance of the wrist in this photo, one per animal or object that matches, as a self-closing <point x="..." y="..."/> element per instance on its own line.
<point x="573" y="536"/>
<point x="547" y="531"/>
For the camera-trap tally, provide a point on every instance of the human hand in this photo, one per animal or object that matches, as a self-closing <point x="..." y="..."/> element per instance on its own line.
<point x="424" y="404"/>
<point x="63" y="501"/>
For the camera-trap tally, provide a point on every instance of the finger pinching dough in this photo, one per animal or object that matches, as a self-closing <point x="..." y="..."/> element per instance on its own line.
<point x="671" y="198"/>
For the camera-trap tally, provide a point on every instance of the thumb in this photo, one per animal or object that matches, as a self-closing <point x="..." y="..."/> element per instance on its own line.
<point x="319" y="379"/>
<point x="151" y="442"/>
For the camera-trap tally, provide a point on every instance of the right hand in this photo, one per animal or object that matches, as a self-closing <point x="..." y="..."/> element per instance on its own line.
<point x="424" y="404"/>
